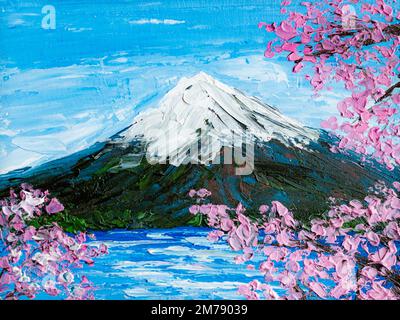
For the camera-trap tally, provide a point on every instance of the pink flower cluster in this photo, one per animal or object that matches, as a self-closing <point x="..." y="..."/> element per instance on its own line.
<point x="356" y="46"/>
<point x="350" y="252"/>
<point x="40" y="260"/>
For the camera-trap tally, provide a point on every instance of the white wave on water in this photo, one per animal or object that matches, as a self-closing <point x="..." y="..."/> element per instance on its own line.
<point x="175" y="264"/>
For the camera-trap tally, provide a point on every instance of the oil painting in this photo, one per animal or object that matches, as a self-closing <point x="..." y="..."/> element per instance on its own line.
<point x="199" y="150"/>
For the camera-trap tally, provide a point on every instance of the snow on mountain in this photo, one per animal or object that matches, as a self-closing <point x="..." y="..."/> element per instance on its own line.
<point x="203" y="108"/>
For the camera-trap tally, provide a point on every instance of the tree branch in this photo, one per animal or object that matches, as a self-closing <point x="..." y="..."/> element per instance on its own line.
<point x="389" y="92"/>
<point x="391" y="30"/>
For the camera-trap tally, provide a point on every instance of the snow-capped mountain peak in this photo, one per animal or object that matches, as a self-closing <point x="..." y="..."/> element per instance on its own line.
<point x="202" y="107"/>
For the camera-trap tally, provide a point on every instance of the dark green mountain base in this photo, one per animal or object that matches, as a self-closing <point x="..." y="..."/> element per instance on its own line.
<point x="100" y="192"/>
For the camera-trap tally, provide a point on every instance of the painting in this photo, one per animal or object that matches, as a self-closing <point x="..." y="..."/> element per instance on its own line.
<point x="199" y="150"/>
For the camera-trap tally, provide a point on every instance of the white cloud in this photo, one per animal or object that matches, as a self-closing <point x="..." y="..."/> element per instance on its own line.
<point x="120" y="60"/>
<point x="20" y="19"/>
<point x="7" y="132"/>
<point x="73" y="29"/>
<point x="18" y="158"/>
<point x="157" y="21"/>
<point x="199" y="27"/>
<point x="252" y="68"/>
<point x="150" y="4"/>
<point x="16" y="22"/>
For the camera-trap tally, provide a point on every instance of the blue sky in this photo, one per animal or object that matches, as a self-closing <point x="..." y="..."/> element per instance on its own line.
<point x="64" y="89"/>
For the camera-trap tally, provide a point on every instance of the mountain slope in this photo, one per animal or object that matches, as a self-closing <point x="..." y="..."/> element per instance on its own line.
<point x="114" y="185"/>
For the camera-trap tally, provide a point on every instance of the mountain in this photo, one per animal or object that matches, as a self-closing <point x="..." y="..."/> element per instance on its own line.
<point x="204" y="105"/>
<point x="141" y="177"/>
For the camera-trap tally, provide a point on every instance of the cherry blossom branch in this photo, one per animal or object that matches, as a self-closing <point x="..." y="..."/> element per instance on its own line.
<point x="327" y="250"/>
<point x="389" y="92"/>
<point x="29" y="254"/>
<point x="361" y="52"/>
<point x="393" y="29"/>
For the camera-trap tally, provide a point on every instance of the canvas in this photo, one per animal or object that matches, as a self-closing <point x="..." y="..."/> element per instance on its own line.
<point x="199" y="150"/>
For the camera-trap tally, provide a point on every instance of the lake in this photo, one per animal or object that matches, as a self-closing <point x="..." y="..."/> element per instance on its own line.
<point x="177" y="263"/>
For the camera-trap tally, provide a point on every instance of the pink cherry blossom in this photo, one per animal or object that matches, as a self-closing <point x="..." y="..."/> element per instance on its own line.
<point x="285" y="31"/>
<point x="385" y="257"/>
<point x="378" y="292"/>
<point x="369" y="272"/>
<point x="30" y="254"/>
<point x="326" y="250"/>
<point x="373" y="238"/>
<point x="54" y="206"/>
<point x="264" y="209"/>
<point x="330" y="123"/>
<point x="318" y="288"/>
<point x="357" y="50"/>
<point x="215" y="235"/>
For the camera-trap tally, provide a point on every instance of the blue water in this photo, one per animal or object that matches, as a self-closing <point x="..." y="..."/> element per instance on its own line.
<point x="166" y="264"/>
